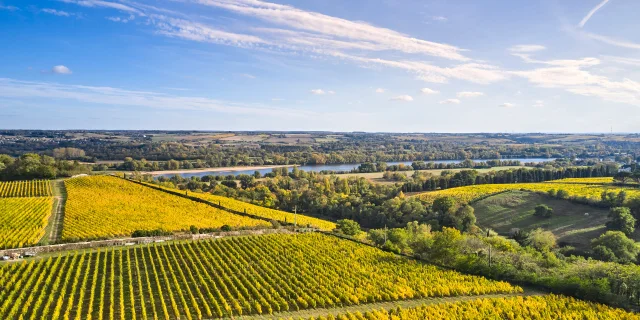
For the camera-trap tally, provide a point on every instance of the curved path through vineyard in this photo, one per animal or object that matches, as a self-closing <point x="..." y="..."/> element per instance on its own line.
<point x="306" y="314"/>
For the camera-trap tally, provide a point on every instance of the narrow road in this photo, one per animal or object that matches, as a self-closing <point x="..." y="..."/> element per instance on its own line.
<point x="57" y="218"/>
<point x="307" y="314"/>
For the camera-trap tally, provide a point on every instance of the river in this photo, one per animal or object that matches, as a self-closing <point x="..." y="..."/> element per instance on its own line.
<point x="331" y="167"/>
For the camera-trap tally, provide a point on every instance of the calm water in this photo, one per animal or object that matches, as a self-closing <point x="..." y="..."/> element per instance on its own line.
<point x="333" y="167"/>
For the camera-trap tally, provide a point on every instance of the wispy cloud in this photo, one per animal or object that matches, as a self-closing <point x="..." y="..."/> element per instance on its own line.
<point x="574" y="76"/>
<point x="469" y="94"/>
<point x="248" y="76"/>
<point x="122" y="19"/>
<point x="613" y="41"/>
<point x="109" y="96"/>
<point x="333" y="27"/>
<point x="591" y="13"/>
<point x="61" y="70"/>
<point x="527" y="48"/>
<point x="9" y="8"/>
<point x="439" y="18"/>
<point x="318" y="91"/>
<point x="507" y="105"/>
<point x="450" y="101"/>
<point x="623" y="60"/>
<point x="104" y="4"/>
<point x="59" y="13"/>
<point x="428" y="91"/>
<point x="538" y="104"/>
<point x="404" y="97"/>
<point x="380" y="90"/>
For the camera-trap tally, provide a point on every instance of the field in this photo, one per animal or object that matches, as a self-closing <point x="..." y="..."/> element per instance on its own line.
<point x="268" y="213"/>
<point x="377" y="176"/>
<point x="225" y="277"/>
<point x="531" y="307"/>
<point x="23" y="221"/>
<point x="598" y="180"/>
<point x="35" y="188"/>
<point x="514" y="209"/>
<point x="106" y="207"/>
<point x="577" y="190"/>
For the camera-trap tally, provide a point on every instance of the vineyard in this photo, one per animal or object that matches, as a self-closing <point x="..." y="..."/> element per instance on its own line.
<point x="268" y="213"/>
<point x="575" y="190"/>
<point x="23" y="221"/>
<point x="224" y="277"/>
<point x="106" y="207"/>
<point x="597" y="180"/>
<point x="34" y="188"/>
<point x="531" y="307"/>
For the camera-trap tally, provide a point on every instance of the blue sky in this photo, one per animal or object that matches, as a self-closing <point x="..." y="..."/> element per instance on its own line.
<point x="401" y="66"/>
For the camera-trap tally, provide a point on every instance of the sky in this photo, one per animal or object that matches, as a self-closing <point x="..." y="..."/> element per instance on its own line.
<point x="321" y="65"/>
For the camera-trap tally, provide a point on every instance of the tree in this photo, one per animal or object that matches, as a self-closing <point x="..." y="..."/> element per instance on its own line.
<point x="445" y="247"/>
<point x="246" y="181"/>
<point x="348" y="227"/>
<point x="541" y="240"/>
<point x="620" y="219"/>
<point x="623" y="249"/>
<point x="230" y="183"/>
<point x="443" y="205"/>
<point x="461" y="219"/>
<point x="543" y="211"/>
<point x="623" y="177"/>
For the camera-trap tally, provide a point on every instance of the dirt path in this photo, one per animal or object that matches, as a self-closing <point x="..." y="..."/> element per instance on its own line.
<point x="306" y="314"/>
<point x="57" y="217"/>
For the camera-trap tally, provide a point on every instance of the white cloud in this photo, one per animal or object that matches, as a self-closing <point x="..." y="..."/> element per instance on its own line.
<point x="109" y="96"/>
<point x="194" y="31"/>
<point x="439" y="18"/>
<point x="380" y="90"/>
<point x="507" y="105"/>
<point x="571" y="76"/>
<point x="329" y="26"/>
<point x="277" y="99"/>
<point x="623" y="60"/>
<point x="450" y="101"/>
<point x="248" y="76"/>
<point x="538" y="104"/>
<point x="527" y="48"/>
<point x="331" y="92"/>
<point x="318" y="91"/>
<point x="404" y="97"/>
<point x="428" y="91"/>
<point x="121" y="19"/>
<point x="57" y="12"/>
<point x="104" y="4"/>
<point x="591" y="12"/>
<point x="61" y="70"/>
<point x="612" y="41"/>
<point x="9" y="8"/>
<point x="469" y="94"/>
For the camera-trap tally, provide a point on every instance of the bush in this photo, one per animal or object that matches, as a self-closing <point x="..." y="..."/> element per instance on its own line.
<point x="225" y="228"/>
<point x="543" y="211"/>
<point x="151" y="233"/>
<point x="621" y="220"/>
<point x="348" y="227"/>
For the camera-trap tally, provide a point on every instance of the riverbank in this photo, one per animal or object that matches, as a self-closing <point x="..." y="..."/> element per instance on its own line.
<point x="218" y="169"/>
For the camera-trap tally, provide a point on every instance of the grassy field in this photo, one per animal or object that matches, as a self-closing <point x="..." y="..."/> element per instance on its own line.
<point x="377" y="176"/>
<point x="514" y="209"/>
